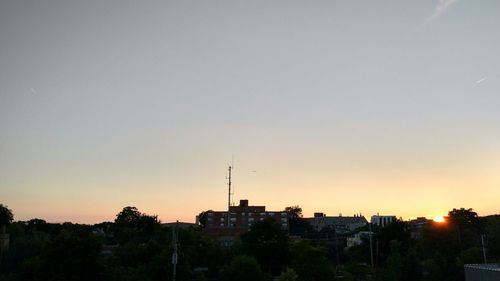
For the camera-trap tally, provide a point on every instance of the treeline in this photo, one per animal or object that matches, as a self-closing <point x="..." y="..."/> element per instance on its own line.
<point x="137" y="246"/>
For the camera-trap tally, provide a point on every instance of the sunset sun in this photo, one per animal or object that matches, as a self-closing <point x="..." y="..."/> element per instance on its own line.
<point x="439" y="219"/>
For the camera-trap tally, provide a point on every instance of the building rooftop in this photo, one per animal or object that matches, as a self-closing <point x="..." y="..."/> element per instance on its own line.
<point x="485" y="266"/>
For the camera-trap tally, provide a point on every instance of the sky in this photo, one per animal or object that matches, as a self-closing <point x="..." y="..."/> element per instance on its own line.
<point x="341" y="107"/>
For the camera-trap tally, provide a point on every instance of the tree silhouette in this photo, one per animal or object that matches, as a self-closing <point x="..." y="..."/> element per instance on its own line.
<point x="128" y="216"/>
<point x="268" y="243"/>
<point x="202" y="218"/>
<point x="297" y="224"/>
<point x="6" y="216"/>
<point x="294" y="212"/>
<point x="242" y="268"/>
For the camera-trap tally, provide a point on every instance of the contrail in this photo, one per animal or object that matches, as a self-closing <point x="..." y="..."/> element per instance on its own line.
<point x="441" y="7"/>
<point x="481" y="80"/>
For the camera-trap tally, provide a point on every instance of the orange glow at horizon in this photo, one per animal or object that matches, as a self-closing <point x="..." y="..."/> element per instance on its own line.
<point x="439" y="219"/>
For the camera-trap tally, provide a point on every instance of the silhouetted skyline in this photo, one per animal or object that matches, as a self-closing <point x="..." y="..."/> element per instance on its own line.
<point x="336" y="106"/>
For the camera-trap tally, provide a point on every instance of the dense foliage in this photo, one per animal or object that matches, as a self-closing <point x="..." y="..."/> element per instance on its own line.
<point x="6" y="216"/>
<point x="136" y="246"/>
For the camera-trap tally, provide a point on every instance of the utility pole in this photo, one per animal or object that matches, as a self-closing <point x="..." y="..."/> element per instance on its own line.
<point x="174" y="254"/>
<point x="371" y="245"/>
<point x="337" y="248"/>
<point x="484" y="250"/>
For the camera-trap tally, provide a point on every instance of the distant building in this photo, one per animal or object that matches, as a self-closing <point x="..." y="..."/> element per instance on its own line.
<point x="340" y="223"/>
<point x="382" y="221"/>
<point x="356" y="239"/>
<point x="229" y="224"/>
<point x="181" y="225"/>
<point x="417" y="225"/>
<point x="482" y="272"/>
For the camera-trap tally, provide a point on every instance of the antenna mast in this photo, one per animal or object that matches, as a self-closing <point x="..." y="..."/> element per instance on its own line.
<point x="229" y="196"/>
<point x="229" y="186"/>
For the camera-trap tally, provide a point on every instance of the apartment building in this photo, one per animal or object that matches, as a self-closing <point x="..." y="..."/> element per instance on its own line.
<point x="238" y="220"/>
<point x="382" y="221"/>
<point x="341" y="224"/>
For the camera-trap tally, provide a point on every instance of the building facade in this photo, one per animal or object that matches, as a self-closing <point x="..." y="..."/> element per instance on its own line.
<point x="417" y="225"/>
<point x="341" y="224"/>
<point x="482" y="272"/>
<point x="357" y="238"/>
<point x="238" y="220"/>
<point x="382" y="221"/>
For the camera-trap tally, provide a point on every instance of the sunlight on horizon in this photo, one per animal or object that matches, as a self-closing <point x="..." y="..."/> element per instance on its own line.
<point x="322" y="105"/>
<point x="439" y="219"/>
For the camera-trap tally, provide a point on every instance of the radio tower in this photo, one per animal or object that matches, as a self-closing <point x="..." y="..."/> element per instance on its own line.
<point x="229" y="196"/>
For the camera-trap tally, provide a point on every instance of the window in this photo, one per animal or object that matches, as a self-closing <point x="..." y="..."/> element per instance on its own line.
<point x="270" y="214"/>
<point x="283" y="214"/>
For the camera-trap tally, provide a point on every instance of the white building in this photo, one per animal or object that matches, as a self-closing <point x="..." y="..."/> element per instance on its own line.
<point x="356" y="239"/>
<point x="382" y="221"/>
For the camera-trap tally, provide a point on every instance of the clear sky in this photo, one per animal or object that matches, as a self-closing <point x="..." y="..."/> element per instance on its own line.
<point x="336" y="106"/>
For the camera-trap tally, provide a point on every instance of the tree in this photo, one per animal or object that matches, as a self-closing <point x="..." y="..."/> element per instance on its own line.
<point x="298" y="225"/>
<point x="394" y="263"/>
<point x="465" y="219"/>
<point x="268" y="243"/>
<point x="463" y="216"/>
<point x="467" y="225"/>
<point x="134" y="226"/>
<point x="310" y="262"/>
<point x="6" y="216"/>
<point x="396" y="230"/>
<point x="242" y="268"/>
<point x="128" y="216"/>
<point x="493" y="237"/>
<point x="442" y="268"/>
<point x="202" y="218"/>
<point x="288" y="275"/>
<point x="294" y="212"/>
<point x="71" y="256"/>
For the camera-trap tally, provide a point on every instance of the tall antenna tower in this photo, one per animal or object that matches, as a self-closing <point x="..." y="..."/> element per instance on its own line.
<point x="229" y="187"/>
<point x="229" y="195"/>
